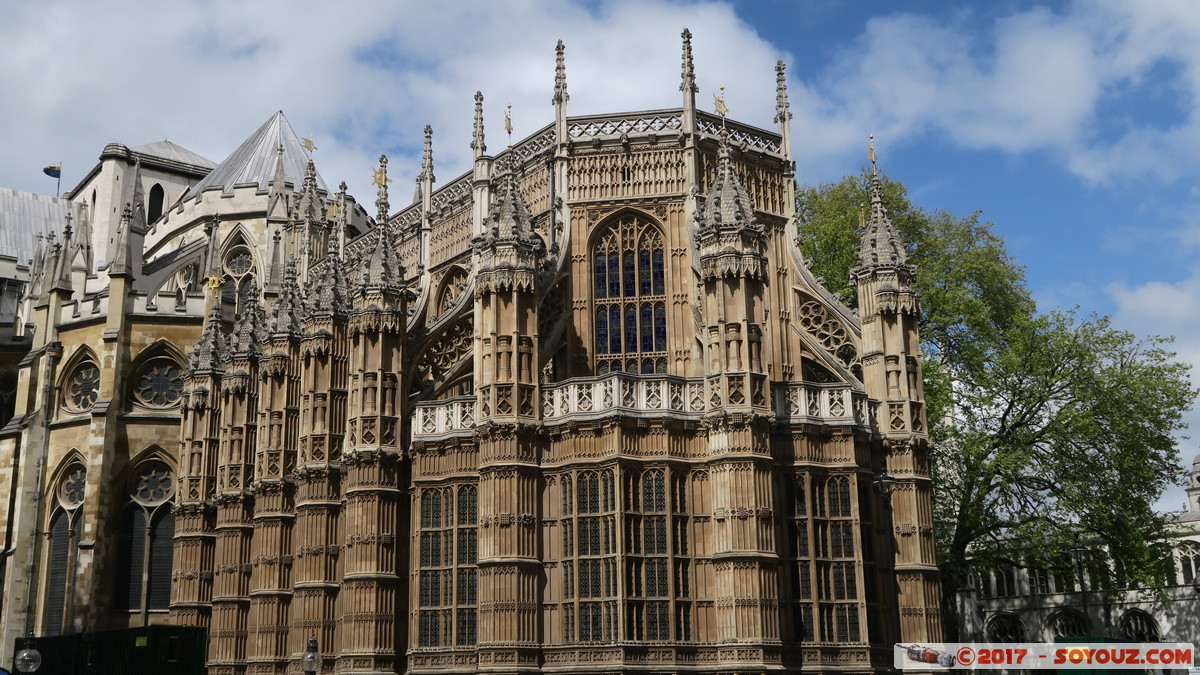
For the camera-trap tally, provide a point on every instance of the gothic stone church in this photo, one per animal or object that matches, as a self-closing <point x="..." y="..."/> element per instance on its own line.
<point x="580" y="409"/>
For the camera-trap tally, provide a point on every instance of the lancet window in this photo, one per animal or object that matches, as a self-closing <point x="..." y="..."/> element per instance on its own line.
<point x="590" y="558"/>
<point x="145" y="529"/>
<point x="629" y="286"/>
<point x="657" y="571"/>
<point x="62" y="546"/>
<point x="239" y="278"/>
<point x="447" y="554"/>
<point x="834" y="553"/>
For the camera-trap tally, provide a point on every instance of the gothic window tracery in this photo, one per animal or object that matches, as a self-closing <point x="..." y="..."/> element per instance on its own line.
<point x="159" y="383"/>
<point x="1005" y="628"/>
<point x="657" y="569"/>
<point x="1067" y="623"/>
<point x="590" y="553"/>
<point x="1189" y="562"/>
<point x="240" y="273"/>
<point x="448" y="577"/>
<point x="834" y="554"/>
<point x="83" y="387"/>
<point x="629" y="287"/>
<point x="145" y="530"/>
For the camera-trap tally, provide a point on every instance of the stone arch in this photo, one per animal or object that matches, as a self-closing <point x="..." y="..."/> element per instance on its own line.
<point x="1139" y="626"/>
<point x="1005" y="627"/>
<point x="627" y="270"/>
<point x="155" y="203"/>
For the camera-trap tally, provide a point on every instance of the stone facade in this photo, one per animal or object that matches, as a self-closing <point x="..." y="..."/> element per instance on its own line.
<point x="582" y="408"/>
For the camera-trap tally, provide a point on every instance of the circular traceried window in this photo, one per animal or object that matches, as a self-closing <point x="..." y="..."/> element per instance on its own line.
<point x="73" y="487"/>
<point x="83" y="387"/>
<point x="153" y="485"/>
<point x="160" y="384"/>
<point x="239" y="262"/>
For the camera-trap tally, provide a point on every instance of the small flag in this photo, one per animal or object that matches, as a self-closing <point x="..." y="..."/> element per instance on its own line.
<point x="54" y="171"/>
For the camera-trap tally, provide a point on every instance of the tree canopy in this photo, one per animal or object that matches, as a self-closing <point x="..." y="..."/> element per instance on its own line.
<point x="1044" y="426"/>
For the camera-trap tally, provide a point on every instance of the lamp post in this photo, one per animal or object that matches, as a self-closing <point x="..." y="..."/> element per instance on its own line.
<point x="310" y="662"/>
<point x="28" y="658"/>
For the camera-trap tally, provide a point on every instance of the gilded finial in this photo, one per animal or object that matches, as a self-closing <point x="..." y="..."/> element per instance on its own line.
<point x="307" y="144"/>
<point x="380" y="179"/>
<point x="719" y="105"/>
<point x="871" y="155"/>
<point x="508" y="123"/>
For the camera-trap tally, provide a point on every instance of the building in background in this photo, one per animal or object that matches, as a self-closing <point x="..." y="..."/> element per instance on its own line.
<point x="581" y="408"/>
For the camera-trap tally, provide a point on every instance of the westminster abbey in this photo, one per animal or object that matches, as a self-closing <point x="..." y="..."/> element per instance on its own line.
<point x="581" y="409"/>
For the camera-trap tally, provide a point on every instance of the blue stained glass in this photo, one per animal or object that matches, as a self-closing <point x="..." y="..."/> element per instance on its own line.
<point x="631" y="337"/>
<point x="614" y="330"/>
<point x="602" y="330"/>
<point x="644" y="273"/>
<point x="630" y="282"/>
<point x="647" y="328"/>
<point x="660" y="327"/>
<point x="659" y="284"/>
<point x="601" y="277"/>
<point x="614" y="276"/>
<point x="648" y="366"/>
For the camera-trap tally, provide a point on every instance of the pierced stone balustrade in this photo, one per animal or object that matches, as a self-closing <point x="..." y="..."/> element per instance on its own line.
<point x="438" y="420"/>
<point x="813" y="403"/>
<point x="588" y="398"/>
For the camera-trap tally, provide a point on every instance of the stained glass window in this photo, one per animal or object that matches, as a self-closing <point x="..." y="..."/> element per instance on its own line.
<point x="73" y="487"/>
<point x="630" y="287"/>
<point x="153" y="485"/>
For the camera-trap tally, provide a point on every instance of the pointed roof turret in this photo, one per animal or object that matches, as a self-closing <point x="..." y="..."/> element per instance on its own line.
<point x="287" y="313"/>
<point x="509" y="217"/>
<point x="380" y="263"/>
<point x="249" y="329"/>
<point x="728" y="206"/>
<point x="880" y="245"/>
<point x="329" y="293"/>
<point x="477" y="143"/>
<point x="210" y="351"/>
<point x="253" y="163"/>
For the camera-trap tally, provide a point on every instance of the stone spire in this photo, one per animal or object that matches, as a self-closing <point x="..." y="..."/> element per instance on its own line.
<point x="275" y="272"/>
<point x="211" y="351"/>
<point x="62" y="269"/>
<point x="560" y="76"/>
<point x="880" y="245"/>
<point x="277" y="194"/>
<point x="509" y="251"/>
<point x="689" y="69"/>
<point x="509" y="217"/>
<point x="249" y="330"/>
<point x="381" y="180"/>
<point x="341" y="220"/>
<point x="477" y="143"/>
<point x="329" y="292"/>
<point x="287" y="313"/>
<point x="380" y="263"/>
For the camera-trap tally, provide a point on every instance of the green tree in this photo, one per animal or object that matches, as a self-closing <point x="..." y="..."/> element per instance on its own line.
<point x="1044" y="426"/>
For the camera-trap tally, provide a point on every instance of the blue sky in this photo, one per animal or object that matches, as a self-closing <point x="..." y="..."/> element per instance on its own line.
<point x="1073" y="126"/>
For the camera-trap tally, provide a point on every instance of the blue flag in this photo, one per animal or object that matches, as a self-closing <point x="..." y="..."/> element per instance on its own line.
<point x="52" y="171"/>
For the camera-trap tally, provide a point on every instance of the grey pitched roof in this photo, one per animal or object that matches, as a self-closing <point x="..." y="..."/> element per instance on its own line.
<point x="168" y="150"/>
<point x="23" y="215"/>
<point x="253" y="163"/>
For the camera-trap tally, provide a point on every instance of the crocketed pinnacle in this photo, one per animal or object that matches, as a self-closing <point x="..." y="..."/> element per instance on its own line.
<point x="880" y="244"/>
<point x="509" y="218"/>
<point x="287" y="314"/>
<point x="728" y="206"/>
<point x="782" y="109"/>
<point x="211" y="350"/>
<point x="427" y="156"/>
<point x="560" y="75"/>
<point x="689" y="69"/>
<point x="249" y="330"/>
<point x="329" y="292"/>
<point x="310" y="210"/>
<point x="477" y="143"/>
<point x="122" y="264"/>
<point x="380" y="263"/>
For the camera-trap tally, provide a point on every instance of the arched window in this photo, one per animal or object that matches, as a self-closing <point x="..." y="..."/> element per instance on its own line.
<point x="145" y="530"/>
<point x="240" y="274"/>
<point x="155" y="208"/>
<point x="1189" y="562"/>
<point x="1067" y="623"/>
<point x="60" y="559"/>
<point x="447" y="583"/>
<point x="1138" y="626"/>
<point x="589" y="560"/>
<point x="158" y="383"/>
<point x="629" y="285"/>
<point x="1005" y="628"/>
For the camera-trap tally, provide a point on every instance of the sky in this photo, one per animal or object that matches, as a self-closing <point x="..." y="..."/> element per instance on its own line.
<point x="1073" y="126"/>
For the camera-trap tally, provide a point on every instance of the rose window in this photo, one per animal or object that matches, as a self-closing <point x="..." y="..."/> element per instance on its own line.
<point x="73" y="488"/>
<point x="84" y="386"/>
<point x="153" y="485"/>
<point x="160" y="384"/>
